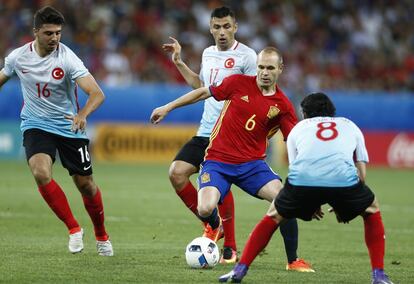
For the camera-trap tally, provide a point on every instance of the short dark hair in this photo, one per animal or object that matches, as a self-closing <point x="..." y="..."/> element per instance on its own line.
<point x="47" y="15"/>
<point x="222" y="12"/>
<point x="317" y="104"/>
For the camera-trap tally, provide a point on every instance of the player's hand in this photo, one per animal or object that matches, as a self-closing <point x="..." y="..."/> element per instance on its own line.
<point x="318" y="215"/>
<point x="78" y="122"/>
<point x="158" y="114"/>
<point x="175" y="48"/>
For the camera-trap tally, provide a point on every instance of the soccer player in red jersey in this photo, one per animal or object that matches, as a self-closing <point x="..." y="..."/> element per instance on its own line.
<point x="226" y="57"/>
<point x="255" y="109"/>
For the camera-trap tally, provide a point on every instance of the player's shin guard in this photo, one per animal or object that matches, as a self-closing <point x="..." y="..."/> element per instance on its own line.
<point x="375" y="239"/>
<point x="189" y="196"/>
<point x="226" y="210"/>
<point x="94" y="206"/>
<point x="56" y="199"/>
<point x="289" y="231"/>
<point x="213" y="220"/>
<point x="258" y="239"/>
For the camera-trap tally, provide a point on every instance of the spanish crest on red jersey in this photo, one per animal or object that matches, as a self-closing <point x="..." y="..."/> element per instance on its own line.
<point x="247" y="120"/>
<point x="273" y="112"/>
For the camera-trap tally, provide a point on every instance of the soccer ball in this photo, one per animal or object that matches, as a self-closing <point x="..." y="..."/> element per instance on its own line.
<point x="202" y="253"/>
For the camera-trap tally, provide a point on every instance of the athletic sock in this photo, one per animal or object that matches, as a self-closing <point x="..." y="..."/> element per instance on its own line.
<point x="375" y="239"/>
<point x="258" y="239"/>
<point x="95" y="209"/>
<point x="57" y="201"/>
<point x="189" y="196"/>
<point x="226" y="210"/>
<point x="213" y="220"/>
<point x="289" y="231"/>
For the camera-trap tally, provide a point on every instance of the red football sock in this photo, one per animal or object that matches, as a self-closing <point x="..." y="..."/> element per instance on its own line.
<point x="94" y="206"/>
<point x="258" y="239"/>
<point x="375" y="239"/>
<point x="189" y="196"/>
<point x="226" y="210"/>
<point x="56" y="199"/>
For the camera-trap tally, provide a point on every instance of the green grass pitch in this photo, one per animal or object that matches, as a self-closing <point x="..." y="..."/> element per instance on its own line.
<point x="150" y="229"/>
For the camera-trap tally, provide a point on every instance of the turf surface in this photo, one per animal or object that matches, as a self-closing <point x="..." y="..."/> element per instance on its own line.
<point x="150" y="228"/>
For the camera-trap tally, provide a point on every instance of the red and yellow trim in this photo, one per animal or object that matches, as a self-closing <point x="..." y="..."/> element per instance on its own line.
<point x="219" y="122"/>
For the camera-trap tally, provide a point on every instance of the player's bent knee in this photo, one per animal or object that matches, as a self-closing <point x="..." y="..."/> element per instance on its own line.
<point x="85" y="184"/>
<point x="272" y="213"/>
<point x="41" y="168"/>
<point x="373" y="208"/>
<point x="42" y="175"/>
<point x="179" y="175"/>
<point x="205" y="210"/>
<point x="177" y="178"/>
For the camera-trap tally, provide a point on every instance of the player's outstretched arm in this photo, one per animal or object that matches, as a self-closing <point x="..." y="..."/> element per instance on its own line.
<point x="96" y="97"/>
<point x="3" y="78"/>
<point x="189" y="75"/>
<point x="194" y="96"/>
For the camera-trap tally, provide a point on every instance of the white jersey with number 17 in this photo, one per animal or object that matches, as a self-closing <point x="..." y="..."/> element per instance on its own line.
<point x="321" y="152"/>
<point x="217" y="65"/>
<point x="48" y="87"/>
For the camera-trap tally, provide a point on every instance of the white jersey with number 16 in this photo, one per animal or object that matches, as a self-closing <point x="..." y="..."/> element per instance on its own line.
<point x="48" y="87"/>
<point x="321" y="152"/>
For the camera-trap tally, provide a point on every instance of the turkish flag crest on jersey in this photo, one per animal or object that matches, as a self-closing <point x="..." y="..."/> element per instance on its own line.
<point x="229" y="63"/>
<point x="58" y="73"/>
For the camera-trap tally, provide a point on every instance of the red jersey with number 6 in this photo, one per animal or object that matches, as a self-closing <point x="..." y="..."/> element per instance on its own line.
<point x="247" y="121"/>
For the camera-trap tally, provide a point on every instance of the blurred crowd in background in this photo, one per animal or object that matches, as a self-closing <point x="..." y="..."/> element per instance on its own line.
<point x="326" y="44"/>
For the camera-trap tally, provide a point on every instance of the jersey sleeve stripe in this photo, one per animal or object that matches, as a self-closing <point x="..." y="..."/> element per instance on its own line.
<point x="76" y="98"/>
<point x="217" y="127"/>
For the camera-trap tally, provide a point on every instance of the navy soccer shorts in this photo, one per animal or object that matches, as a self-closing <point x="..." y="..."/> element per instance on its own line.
<point x="73" y="152"/>
<point x="193" y="151"/>
<point x="302" y="201"/>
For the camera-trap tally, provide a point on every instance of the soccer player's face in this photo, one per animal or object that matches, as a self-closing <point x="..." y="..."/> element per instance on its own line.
<point x="269" y="68"/>
<point x="48" y="37"/>
<point x="223" y="30"/>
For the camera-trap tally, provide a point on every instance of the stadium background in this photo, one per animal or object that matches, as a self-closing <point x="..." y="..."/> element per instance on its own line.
<point x="359" y="52"/>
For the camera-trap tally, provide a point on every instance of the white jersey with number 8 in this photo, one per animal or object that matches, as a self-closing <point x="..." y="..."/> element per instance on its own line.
<point x="321" y="152"/>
